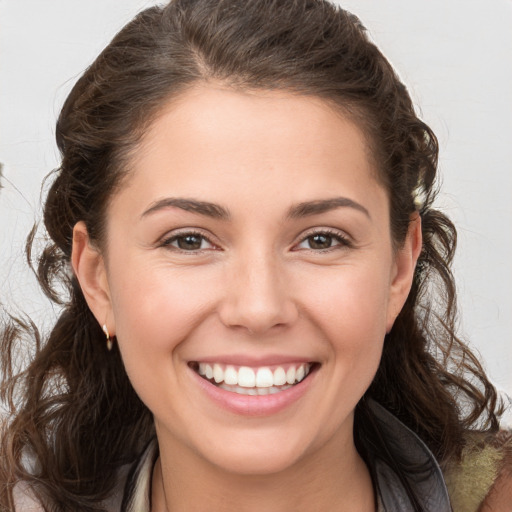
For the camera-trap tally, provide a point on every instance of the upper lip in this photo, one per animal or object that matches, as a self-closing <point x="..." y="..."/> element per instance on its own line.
<point x="253" y="361"/>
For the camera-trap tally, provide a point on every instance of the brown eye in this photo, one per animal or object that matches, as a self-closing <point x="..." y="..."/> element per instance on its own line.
<point x="320" y="241"/>
<point x="323" y="241"/>
<point x="188" y="242"/>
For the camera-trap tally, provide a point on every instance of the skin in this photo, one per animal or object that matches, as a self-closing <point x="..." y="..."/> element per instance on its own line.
<point x="260" y="287"/>
<point x="499" y="497"/>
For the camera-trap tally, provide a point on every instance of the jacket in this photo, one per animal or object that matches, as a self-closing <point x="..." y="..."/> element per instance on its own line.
<point x="459" y="488"/>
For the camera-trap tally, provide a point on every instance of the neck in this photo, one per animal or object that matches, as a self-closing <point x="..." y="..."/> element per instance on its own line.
<point x="333" y="475"/>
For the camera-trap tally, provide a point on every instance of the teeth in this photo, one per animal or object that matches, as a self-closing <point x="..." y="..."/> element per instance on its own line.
<point x="231" y="376"/>
<point x="218" y="374"/>
<point x="254" y="391"/>
<point x="264" y="378"/>
<point x="254" y="381"/>
<point x="290" y="375"/>
<point x="246" y="377"/>
<point x="279" y="377"/>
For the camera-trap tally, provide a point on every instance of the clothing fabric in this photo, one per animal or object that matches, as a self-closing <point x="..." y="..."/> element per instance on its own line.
<point x="138" y="488"/>
<point x="425" y="475"/>
<point x="461" y="488"/>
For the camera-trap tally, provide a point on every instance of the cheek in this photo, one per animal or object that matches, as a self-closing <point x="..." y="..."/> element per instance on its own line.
<point x="349" y="311"/>
<point x="350" y="303"/>
<point x="157" y="308"/>
<point x="155" y="311"/>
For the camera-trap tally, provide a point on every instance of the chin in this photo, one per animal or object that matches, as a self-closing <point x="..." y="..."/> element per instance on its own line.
<point x="261" y="464"/>
<point x="249" y="457"/>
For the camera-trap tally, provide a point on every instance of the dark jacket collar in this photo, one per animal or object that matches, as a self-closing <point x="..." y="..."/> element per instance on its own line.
<point x="420" y="470"/>
<point x="423" y="475"/>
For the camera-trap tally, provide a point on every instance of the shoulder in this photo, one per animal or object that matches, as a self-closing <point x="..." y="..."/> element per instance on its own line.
<point x="482" y="480"/>
<point x="499" y="498"/>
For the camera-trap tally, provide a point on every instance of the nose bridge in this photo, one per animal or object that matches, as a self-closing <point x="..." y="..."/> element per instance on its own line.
<point x="257" y="296"/>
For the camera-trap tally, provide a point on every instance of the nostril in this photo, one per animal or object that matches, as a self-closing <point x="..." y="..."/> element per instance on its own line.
<point x="258" y="303"/>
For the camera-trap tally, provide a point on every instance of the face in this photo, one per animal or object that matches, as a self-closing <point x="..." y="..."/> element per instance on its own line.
<point x="249" y="277"/>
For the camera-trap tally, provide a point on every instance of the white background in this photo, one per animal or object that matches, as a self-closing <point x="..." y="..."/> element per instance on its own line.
<point x="455" y="56"/>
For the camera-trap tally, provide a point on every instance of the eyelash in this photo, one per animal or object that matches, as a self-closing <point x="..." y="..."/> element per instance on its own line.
<point x="342" y="240"/>
<point x="167" y="242"/>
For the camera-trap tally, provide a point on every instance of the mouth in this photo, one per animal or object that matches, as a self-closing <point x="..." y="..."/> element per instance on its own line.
<point x="253" y="381"/>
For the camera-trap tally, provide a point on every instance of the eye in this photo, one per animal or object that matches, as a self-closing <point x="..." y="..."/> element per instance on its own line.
<point x="323" y="240"/>
<point x="189" y="242"/>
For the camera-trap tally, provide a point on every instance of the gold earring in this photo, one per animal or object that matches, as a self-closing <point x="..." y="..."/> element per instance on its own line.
<point x="109" y="339"/>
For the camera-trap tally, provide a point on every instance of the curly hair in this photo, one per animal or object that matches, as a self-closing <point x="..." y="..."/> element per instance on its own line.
<point x="73" y="409"/>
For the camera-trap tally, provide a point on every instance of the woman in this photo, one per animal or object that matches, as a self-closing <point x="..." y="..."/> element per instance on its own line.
<point x="243" y="218"/>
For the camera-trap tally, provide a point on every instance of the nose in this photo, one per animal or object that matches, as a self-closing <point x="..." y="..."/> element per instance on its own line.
<point x="257" y="296"/>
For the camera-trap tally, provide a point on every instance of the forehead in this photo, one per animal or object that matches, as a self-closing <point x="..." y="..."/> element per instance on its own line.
<point x="212" y="140"/>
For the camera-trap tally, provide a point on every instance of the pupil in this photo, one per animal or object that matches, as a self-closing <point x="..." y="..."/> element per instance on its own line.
<point x="320" y="242"/>
<point x="189" y="242"/>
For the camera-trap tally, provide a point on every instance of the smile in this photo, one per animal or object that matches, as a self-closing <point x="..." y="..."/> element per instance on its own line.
<point x="245" y="380"/>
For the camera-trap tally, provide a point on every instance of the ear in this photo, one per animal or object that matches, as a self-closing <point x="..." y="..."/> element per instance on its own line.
<point x="403" y="269"/>
<point x="89" y="267"/>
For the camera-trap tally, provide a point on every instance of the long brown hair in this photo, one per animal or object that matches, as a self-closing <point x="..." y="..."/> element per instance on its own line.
<point x="74" y="412"/>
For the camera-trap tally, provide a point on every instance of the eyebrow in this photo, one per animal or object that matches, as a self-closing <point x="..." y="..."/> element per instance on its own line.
<point x="190" y="205"/>
<point x="324" y="205"/>
<point x="215" y="211"/>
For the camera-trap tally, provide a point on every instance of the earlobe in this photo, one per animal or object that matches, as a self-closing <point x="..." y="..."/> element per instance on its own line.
<point x="405" y="265"/>
<point x="89" y="268"/>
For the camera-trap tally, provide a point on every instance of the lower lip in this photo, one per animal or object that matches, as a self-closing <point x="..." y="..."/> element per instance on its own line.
<point x="254" y="405"/>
